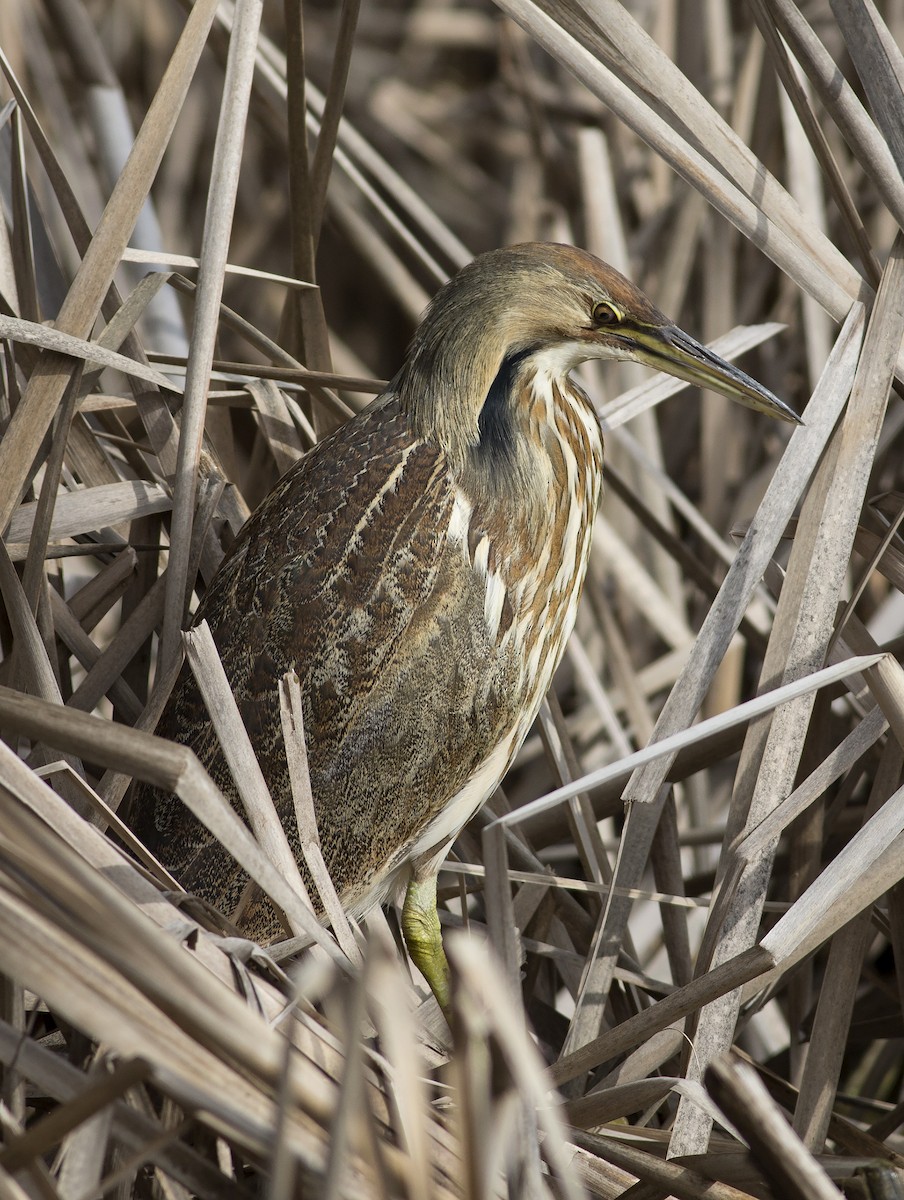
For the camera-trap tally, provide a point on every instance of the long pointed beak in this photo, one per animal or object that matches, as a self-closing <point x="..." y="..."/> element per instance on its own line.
<point x="670" y="349"/>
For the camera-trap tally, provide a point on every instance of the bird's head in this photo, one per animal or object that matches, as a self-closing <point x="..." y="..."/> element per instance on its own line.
<point x="549" y="307"/>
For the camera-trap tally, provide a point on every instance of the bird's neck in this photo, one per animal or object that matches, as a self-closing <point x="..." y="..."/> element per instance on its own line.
<point x="518" y="435"/>
<point x="503" y="446"/>
<point x="531" y="538"/>
<point x="539" y="438"/>
<point x="444" y="387"/>
<point x="538" y="455"/>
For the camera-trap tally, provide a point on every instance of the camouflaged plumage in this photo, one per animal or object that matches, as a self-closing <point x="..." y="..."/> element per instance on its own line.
<point x="420" y="570"/>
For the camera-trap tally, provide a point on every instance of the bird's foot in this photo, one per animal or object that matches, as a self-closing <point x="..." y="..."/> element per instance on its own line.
<point x="420" y="927"/>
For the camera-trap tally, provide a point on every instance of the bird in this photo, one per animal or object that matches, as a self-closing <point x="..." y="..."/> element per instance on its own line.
<point x="420" y="569"/>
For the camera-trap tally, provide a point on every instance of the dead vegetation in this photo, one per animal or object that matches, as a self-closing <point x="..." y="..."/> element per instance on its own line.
<point x="700" y="998"/>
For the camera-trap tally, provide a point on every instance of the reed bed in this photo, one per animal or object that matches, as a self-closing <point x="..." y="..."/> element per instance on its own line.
<point x="677" y="931"/>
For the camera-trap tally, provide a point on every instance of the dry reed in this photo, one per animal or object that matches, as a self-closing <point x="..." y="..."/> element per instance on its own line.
<point x="681" y="970"/>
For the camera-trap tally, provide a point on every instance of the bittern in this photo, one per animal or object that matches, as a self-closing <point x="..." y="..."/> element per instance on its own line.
<point x="420" y="569"/>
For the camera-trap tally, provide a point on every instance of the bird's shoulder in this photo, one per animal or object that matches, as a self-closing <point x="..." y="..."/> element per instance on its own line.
<point x="358" y="487"/>
<point x="343" y="553"/>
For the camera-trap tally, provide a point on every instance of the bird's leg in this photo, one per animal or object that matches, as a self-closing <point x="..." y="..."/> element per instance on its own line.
<point x="420" y="927"/>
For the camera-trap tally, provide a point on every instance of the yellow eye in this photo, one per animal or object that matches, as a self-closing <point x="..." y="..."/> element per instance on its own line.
<point x="605" y="314"/>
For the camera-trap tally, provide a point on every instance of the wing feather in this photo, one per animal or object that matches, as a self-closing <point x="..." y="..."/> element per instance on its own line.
<point x="347" y="574"/>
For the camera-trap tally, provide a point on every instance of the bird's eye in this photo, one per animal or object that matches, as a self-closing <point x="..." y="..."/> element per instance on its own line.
<point x="605" y="314"/>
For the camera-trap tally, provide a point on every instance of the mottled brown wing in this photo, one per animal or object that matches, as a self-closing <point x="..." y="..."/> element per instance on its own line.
<point x="346" y="574"/>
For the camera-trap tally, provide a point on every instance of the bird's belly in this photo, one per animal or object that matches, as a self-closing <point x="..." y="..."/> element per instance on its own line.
<point x="441" y="751"/>
<point x="426" y="851"/>
<point x="422" y="753"/>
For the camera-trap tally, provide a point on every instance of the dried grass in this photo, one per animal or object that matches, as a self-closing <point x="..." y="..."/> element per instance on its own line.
<point x="698" y="996"/>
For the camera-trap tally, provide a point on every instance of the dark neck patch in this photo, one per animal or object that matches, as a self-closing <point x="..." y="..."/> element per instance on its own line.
<point x="496" y="424"/>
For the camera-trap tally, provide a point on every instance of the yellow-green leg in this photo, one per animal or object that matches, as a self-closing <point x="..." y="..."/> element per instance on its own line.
<point x="420" y="926"/>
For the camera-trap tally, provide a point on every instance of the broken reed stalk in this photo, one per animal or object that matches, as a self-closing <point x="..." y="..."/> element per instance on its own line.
<point x="350" y="1091"/>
